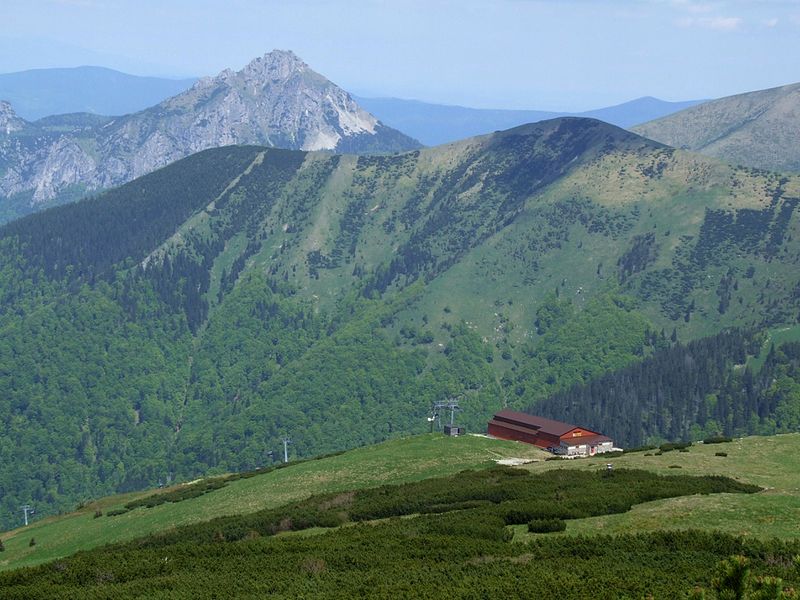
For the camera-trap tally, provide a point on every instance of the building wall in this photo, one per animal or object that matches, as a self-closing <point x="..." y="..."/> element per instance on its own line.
<point x="509" y="429"/>
<point x="498" y="430"/>
<point x="585" y="449"/>
<point x="605" y="447"/>
<point x="547" y="440"/>
<point x="577" y="432"/>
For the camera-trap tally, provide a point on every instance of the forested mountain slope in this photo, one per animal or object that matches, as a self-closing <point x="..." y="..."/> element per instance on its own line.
<point x="275" y="100"/>
<point x="756" y="129"/>
<point x="689" y="392"/>
<point x="181" y="324"/>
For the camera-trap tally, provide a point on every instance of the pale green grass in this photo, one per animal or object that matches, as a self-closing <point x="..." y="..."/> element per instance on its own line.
<point x="396" y="461"/>
<point x="774" y="337"/>
<point x="771" y="462"/>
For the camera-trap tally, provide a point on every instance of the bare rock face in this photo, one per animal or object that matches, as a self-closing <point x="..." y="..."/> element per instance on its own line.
<point x="64" y="164"/>
<point x="9" y="121"/>
<point x="276" y="100"/>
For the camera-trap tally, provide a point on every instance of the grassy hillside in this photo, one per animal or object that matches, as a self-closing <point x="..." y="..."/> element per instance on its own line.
<point x="182" y="324"/>
<point x="756" y="129"/>
<point x="397" y="461"/>
<point x="771" y="462"/>
<point x="768" y="462"/>
<point x="442" y="536"/>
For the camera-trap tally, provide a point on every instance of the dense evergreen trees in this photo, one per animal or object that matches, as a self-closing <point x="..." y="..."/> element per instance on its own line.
<point x="690" y="391"/>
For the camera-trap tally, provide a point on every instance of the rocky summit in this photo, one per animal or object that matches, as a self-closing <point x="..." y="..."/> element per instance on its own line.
<point x="276" y="100"/>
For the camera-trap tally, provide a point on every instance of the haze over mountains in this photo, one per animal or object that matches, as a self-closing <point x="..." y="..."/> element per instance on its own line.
<point x="45" y="92"/>
<point x="757" y="129"/>
<point x="184" y="322"/>
<point x="39" y="93"/>
<point x="434" y="124"/>
<point x="272" y="266"/>
<point x="276" y="100"/>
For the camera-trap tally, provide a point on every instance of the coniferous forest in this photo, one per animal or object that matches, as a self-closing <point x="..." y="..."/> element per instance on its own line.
<point x="690" y="391"/>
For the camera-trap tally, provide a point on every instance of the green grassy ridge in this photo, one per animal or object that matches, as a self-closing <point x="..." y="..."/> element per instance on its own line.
<point x="753" y="129"/>
<point x="661" y="559"/>
<point x="771" y="462"/>
<point x="472" y="537"/>
<point x="400" y="460"/>
<point x="488" y="230"/>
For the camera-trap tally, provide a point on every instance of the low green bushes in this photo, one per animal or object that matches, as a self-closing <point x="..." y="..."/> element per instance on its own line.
<point x="670" y="446"/>
<point x="717" y="439"/>
<point x="456" y="545"/>
<point x="178" y="495"/>
<point x="546" y="525"/>
<point x="638" y="449"/>
<point x="512" y="496"/>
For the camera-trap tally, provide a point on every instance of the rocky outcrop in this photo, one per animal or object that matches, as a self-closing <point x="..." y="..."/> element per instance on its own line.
<point x="276" y="100"/>
<point x="9" y="121"/>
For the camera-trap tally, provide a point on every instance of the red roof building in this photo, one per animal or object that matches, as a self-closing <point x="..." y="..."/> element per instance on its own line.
<point x="558" y="437"/>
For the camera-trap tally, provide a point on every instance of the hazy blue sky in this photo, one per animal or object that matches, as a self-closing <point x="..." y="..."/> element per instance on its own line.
<point x="546" y="54"/>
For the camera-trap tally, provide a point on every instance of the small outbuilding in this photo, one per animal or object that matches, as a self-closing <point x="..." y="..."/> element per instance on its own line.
<point x="557" y="437"/>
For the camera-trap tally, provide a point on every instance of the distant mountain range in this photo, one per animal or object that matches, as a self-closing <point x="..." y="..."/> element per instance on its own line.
<point x="40" y="93"/>
<point x="434" y="124"/>
<point x="44" y="92"/>
<point x="276" y="100"/>
<point x="757" y="129"/>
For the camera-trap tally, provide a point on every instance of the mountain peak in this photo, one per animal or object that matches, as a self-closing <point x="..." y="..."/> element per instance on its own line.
<point x="593" y="131"/>
<point x="6" y="110"/>
<point x="271" y="68"/>
<point x="282" y="56"/>
<point x="276" y="100"/>
<point x="274" y="66"/>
